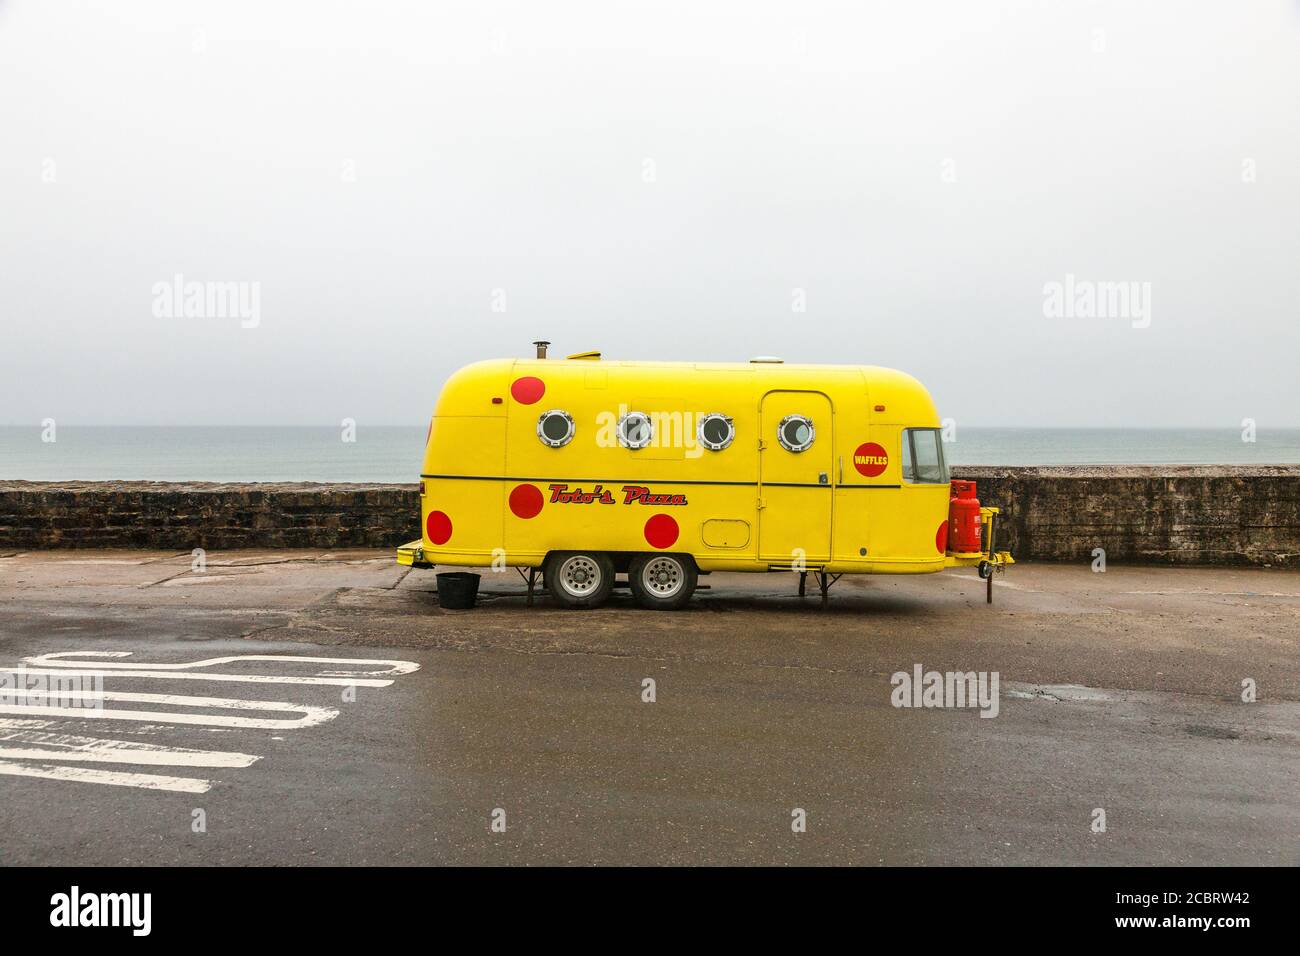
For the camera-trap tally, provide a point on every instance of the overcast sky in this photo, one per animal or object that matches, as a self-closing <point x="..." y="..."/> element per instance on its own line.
<point x="414" y="187"/>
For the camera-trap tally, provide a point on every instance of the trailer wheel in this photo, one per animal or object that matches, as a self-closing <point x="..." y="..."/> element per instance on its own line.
<point x="985" y="570"/>
<point x="662" y="582"/>
<point x="578" y="579"/>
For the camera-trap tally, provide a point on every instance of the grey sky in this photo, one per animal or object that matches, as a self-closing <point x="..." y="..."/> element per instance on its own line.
<point x="920" y="171"/>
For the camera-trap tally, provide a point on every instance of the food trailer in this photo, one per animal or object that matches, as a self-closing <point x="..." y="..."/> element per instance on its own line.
<point x="582" y="470"/>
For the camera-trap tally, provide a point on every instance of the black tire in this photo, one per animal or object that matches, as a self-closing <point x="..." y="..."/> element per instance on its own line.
<point x="579" y="579"/>
<point x="985" y="570"/>
<point x="662" y="582"/>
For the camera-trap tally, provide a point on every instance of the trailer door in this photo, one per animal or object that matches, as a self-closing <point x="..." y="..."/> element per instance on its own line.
<point x="795" y="478"/>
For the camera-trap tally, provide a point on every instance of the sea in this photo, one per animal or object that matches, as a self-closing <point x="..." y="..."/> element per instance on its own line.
<point x="394" y="453"/>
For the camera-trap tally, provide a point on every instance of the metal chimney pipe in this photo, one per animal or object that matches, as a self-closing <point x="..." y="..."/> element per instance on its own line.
<point x="541" y="348"/>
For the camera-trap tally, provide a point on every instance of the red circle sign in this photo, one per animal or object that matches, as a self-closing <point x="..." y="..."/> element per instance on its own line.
<point x="870" y="459"/>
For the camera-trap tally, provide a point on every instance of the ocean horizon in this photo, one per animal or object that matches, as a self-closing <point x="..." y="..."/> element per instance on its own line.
<point x="393" y="453"/>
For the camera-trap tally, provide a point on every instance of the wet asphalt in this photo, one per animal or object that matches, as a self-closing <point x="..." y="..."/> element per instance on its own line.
<point x="1118" y="692"/>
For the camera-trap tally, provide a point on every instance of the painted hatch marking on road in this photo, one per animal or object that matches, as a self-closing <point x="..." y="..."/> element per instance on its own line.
<point x="116" y="778"/>
<point x="12" y="723"/>
<point x="30" y="745"/>
<point x="92" y="670"/>
<point x="46" y="746"/>
<point x="111" y="659"/>
<point x="311" y="715"/>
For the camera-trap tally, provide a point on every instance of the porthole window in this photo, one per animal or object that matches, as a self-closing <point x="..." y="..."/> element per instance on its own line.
<point x="796" y="433"/>
<point x="555" y="428"/>
<point x="716" y="431"/>
<point x="635" y="430"/>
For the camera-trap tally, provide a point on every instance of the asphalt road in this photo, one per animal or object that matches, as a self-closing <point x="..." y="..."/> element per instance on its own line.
<point x="1118" y="691"/>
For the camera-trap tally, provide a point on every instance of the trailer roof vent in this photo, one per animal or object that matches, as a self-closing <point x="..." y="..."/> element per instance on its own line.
<point x="587" y="356"/>
<point x="766" y="360"/>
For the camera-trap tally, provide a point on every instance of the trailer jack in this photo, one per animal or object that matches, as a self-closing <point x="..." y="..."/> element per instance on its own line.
<point x="530" y="579"/>
<point x="987" y="562"/>
<point x="824" y="582"/>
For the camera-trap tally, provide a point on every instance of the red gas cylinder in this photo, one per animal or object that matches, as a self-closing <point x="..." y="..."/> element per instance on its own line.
<point x="964" y="518"/>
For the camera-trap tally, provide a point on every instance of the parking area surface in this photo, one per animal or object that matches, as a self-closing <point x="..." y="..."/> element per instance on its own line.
<point x="309" y="707"/>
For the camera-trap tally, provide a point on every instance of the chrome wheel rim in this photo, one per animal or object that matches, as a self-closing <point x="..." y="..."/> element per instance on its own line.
<point x="579" y="576"/>
<point x="663" y="577"/>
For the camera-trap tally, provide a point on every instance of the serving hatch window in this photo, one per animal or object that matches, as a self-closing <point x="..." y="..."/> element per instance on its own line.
<point x="923" y="457"/>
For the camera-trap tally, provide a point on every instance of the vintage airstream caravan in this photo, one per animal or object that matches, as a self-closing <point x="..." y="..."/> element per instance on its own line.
<point x="585" y="469"/>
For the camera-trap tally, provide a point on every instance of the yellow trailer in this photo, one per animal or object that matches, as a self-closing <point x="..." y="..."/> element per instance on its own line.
<point x="585" y="469"/>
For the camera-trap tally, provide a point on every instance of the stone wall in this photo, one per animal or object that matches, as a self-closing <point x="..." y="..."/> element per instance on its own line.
<point x="1154" y="515"/>
<point x="1185" y="514"/>
<point x="154" y="514"/>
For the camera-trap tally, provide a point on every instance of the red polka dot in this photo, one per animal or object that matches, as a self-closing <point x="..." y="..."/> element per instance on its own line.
<point x="941" y="538"/>
<point x="526" y="501"/>
<point x="528" y="390"/>
<point x="438" y="526"/>
<point x="661" y="531"/>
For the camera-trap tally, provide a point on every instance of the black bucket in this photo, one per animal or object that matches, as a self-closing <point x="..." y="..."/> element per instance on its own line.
<point x="457" y="590"/>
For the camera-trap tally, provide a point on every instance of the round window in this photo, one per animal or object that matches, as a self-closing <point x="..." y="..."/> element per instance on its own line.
<point x="795" y="433"/>
<point x="634" y="430"/>
<point x="716" y="431"/>
<point x="555" y="428"/>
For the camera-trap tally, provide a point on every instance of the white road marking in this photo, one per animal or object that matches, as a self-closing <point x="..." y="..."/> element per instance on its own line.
<point x="116" y="778"/>
<point x="999" y="583"/>
<point x="1203" y="592"/>
<point x="60" y="660"/>
<point x="45" y="746"/>
<point x="28" y="741"/>
<point x="311" y="716"/>
<point x="65" y="563"/>
<point x="11" y="723"/>
<point x="112" y="671"/>
<point x="206" y="578"/>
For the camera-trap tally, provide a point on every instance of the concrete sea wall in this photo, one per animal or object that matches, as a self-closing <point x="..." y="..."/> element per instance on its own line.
<point x="1230" y="515"/>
